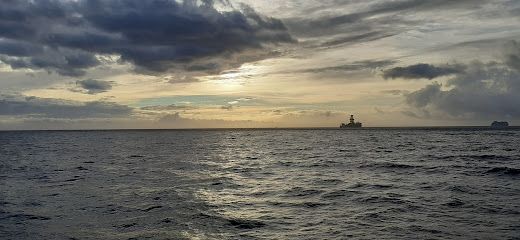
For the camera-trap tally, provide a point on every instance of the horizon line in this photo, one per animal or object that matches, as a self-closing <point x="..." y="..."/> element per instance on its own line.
<point x="271" y="128"/>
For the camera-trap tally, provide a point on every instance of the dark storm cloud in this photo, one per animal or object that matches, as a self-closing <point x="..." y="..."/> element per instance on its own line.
<point x="422" y="70"/>
<point x="484" y="90"/>
<point x="17" y="48"/>
<point x="67" y="62"/>
<point x="54" y="108"/>
<point x="156" y="36"/>
<point x="93" y="86"/>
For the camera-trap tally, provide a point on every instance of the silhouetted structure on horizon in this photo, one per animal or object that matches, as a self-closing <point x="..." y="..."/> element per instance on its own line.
<point x="497" y="124"/>
<point x="351" y="124"/>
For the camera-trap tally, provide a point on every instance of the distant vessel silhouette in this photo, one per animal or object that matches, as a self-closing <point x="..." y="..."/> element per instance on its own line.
<point x="498" y="125"/>
<point x="351" y="124"/>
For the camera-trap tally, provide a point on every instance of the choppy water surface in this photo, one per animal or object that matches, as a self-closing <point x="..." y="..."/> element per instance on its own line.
<point x="260" y="184"/>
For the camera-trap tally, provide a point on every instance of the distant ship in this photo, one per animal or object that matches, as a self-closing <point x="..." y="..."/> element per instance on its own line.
<point x="499" y="125"/>
<point x="351" y="124"/>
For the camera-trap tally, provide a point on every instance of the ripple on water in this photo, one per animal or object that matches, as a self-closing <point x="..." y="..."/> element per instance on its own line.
<point x="241" y="184"/>
<point x="509" y="171"/>
<point x="302" y="192"/>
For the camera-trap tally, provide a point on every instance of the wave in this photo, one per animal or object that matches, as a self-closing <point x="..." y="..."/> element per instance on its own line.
<point x="301" y="192"/>
<point x="381" y="199"/>
<point x="461" y="189"/>
<point x="472" y="157"/>
<point x="338" y="194"/>
<point x="418" y="228"/>
<point x="487" y="157"/>
<point x="373" y="186"/>
<point x="329" y="181"/>
<point x="454" y="203"/>
<point x="504" y="171"/>
<point x="126" y="225"/>
<point x="151" y="208"/>
<point x="298" y="204"/>
<point x="239" y="223"/>
<point x="25" y="217"/>
<point x="245" y="223"/>
<point x="388" y="165"/>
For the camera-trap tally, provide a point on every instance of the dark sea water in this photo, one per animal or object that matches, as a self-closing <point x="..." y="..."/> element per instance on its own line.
<point x="261" y="184"/>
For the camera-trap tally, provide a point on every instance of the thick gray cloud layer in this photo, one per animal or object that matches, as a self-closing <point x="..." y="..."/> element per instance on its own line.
<point x="65" y="61"/>
<point x="155" y="35"/>
<point x="17" y="105"/>
<point x="484" y="90"/>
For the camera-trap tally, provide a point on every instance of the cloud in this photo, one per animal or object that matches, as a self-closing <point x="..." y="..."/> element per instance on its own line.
<point x="176" y="120"/>
<point x="228" y="107"/>
<point x="424" y="96"/>
<point x="174" y="79"/>
<point x="484" y="90"/>
<point x="308" y="118"/>
<point x="67" y="62"/>
<point x="15" y="48"/>
<point x="374" y="16"/>
<point x="92" y="86"/>
<point x="422" y="70"/>
<point x="477" y="90"/>
<point x="379" y="110"/>
<point x="354" y="66"/>
<point x="171" y="107"/>
<point x="244" y="99"/>
<point x="357" y="38"/>
<point x="361" y="68"/>
<point x="419" y="5"/>
<point x="395" y="92"/>
<point x="512" y="57"/>
<point x="156" y="36"/>
<point x="35" y="107"/>
<point x="352" y="71"/>
<point x="169" y="121"/>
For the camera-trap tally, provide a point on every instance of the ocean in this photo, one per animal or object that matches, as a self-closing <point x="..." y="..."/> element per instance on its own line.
<point x="439" y="183"/>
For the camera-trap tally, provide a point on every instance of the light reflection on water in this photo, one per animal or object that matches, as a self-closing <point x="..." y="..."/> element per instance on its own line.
<point x="253" y="184"/>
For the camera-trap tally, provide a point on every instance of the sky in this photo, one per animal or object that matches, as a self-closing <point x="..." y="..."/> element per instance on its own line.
<point x="105" y="64"/>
